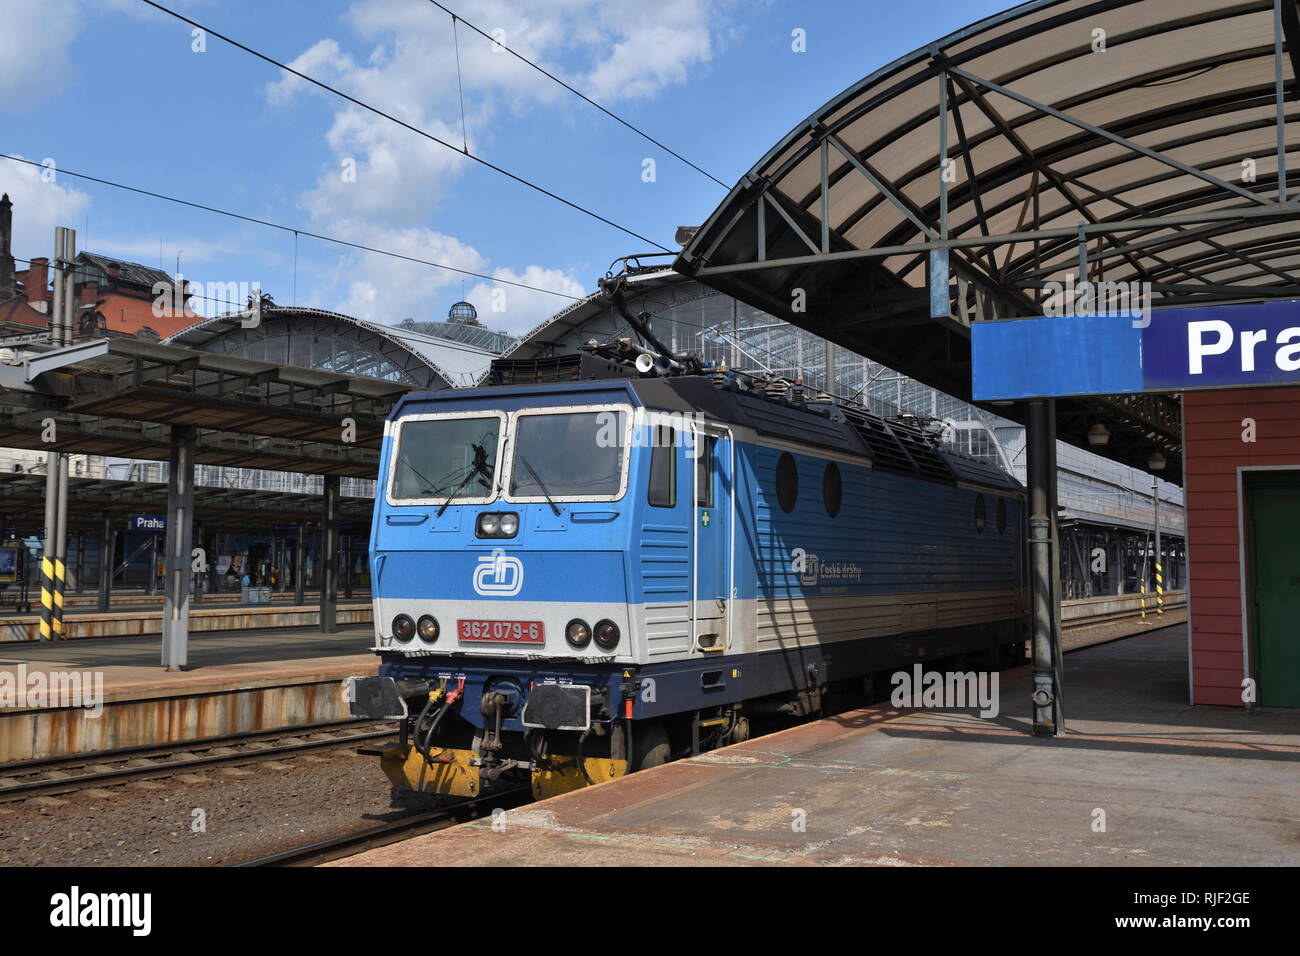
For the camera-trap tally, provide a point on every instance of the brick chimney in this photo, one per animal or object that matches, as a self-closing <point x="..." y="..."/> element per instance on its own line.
<point x="7" y="287"/>
<point x="38" y="283"/>
<point x="89" y="292"/>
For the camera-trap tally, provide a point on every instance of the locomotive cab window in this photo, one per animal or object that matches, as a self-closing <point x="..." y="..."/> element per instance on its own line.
<point x="447" y="458"/>
<point x="661" y="491"/>
<point x="787" y="482"/>
<point x="704" y="471"/>
<point x="569" y="456"/>
<point x="832" y="489"/>
<point x="979" y="512"/>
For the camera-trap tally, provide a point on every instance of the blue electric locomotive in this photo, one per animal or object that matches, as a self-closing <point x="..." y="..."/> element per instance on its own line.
<point x="576" y="580"/>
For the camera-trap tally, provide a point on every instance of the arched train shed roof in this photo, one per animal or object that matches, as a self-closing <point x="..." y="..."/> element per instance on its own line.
<point x="1154" y="125"/>
<point x="316" y="338"/>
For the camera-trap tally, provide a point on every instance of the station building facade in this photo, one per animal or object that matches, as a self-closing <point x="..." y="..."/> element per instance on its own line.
<point x="1242" y="467"/>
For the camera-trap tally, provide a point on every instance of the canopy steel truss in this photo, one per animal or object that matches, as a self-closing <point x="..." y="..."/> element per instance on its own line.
<point x="1063" y="141"/>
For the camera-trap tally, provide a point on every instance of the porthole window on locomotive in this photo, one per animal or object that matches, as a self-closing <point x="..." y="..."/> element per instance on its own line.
<point x="979" y="512"/>
<point x="832" y="488"/>
<point x="1002" y="515"/>
<point x="787" y="482"/>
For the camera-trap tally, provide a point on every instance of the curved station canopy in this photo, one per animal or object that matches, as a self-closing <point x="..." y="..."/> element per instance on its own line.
<point x="1138" y="141"/>
<point x="332" y="341"/>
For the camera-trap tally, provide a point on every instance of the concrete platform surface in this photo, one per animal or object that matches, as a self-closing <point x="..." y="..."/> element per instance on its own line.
<point x="1140" y="777"/>
<point x="143" y="621"/>
<point x="113" y="693"/>
<point x="206" y="649"/>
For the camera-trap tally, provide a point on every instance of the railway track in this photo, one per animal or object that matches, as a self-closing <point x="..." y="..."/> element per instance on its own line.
<point x="1115" y="617"/>
<point x="383" y="834"/>
<point x="22" y="781"/>
<point x="37" y="778"/>
<point x="393" y="831"/>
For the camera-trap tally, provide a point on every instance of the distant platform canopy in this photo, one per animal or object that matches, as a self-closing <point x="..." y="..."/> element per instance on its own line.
<point x="1139" y="141"/>
<point x="331" y="341"/>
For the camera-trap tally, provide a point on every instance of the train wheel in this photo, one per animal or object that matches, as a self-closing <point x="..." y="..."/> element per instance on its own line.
<point x="741" y="731"/>
<point x="650" y="744"/>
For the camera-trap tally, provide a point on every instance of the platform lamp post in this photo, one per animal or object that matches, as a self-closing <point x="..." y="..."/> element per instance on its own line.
<point x="1157" y="464"/>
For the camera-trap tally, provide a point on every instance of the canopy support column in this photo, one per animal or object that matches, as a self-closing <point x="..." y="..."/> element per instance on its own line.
<point x="329" y="556"/>
<point x="299" y="560"/>
<point x="180" y="530"/>
<point x="106" y="562"/>
<point x="1044" y="567"/>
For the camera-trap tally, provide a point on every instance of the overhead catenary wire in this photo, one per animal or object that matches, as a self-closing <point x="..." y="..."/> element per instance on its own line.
<point x="294" y="229"/>
<point x="578" y="93"/>
<point x="405" y="125"/>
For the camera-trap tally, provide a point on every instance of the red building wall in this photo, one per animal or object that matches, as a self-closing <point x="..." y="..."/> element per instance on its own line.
<point x="1213" y="449"/>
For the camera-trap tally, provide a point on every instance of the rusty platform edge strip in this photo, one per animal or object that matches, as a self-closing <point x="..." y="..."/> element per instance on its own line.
<point x="205" y="683"/>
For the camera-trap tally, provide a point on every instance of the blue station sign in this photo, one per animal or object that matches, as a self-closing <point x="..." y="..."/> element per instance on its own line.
<point x="147" y="523"/>
<point x="1225" y="346"/>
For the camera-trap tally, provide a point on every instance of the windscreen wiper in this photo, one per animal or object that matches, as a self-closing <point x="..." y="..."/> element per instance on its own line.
<point x="537" y="478"/>
<point x="478" y="468"/>
<point x="428" y="488"/>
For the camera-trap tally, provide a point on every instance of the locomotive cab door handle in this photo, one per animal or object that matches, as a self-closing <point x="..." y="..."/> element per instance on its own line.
<point x="406" y="519"/>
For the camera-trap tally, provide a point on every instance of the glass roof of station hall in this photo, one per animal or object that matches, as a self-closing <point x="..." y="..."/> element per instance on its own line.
<point x="424" y="354"/>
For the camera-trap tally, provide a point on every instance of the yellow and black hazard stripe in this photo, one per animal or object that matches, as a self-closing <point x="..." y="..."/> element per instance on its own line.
<point x="1160" y="590"/>
<point x="47" y="599"/>
<point x="60" y="574"/>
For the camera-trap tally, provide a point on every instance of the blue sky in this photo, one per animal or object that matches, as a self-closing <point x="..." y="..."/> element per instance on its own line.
<point x="114" y="89"/>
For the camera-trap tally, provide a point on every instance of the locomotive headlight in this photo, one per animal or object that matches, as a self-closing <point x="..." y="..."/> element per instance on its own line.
<point x="403" y="627"/>
<point x="497" y="524"/>
<point x="606" y="633"/>
<point x="428" y="628"/>
<point x="577" y="633"/>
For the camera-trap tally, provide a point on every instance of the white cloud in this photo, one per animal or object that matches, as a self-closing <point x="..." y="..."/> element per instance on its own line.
<point x="39" y="207"/>
<point x="194" y="252"/>
<point x="509" y="308"/>
<point x="35" y="43"/>
<point x="659" y="44"/>
<point x="384" y="182"/>
<point x="34" y="50"/>
<point x="385" y="289"/>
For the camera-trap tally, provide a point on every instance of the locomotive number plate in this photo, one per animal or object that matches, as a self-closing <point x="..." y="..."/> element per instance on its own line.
<point x="502" y="632"/>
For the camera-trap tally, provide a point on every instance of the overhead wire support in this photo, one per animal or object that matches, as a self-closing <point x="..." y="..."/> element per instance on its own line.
<point x="578" y="93"/>
<point x="460" y="85"/>
<point x="405" y="125"/>
<point x="303" y="232"/>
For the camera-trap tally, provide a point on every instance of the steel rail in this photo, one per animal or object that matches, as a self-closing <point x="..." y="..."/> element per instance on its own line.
<point x="163" y="767"/>
<point x="357" y="841"/>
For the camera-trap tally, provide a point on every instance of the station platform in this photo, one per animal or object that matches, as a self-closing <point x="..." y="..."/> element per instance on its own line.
<point x="146" y="618"/>
<point x="236" y="681"/>
<point x="131" y="598"/>
<point x="1140" y="777"/>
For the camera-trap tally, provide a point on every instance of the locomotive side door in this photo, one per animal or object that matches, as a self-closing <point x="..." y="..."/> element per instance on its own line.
<point x="713" y="537"/>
